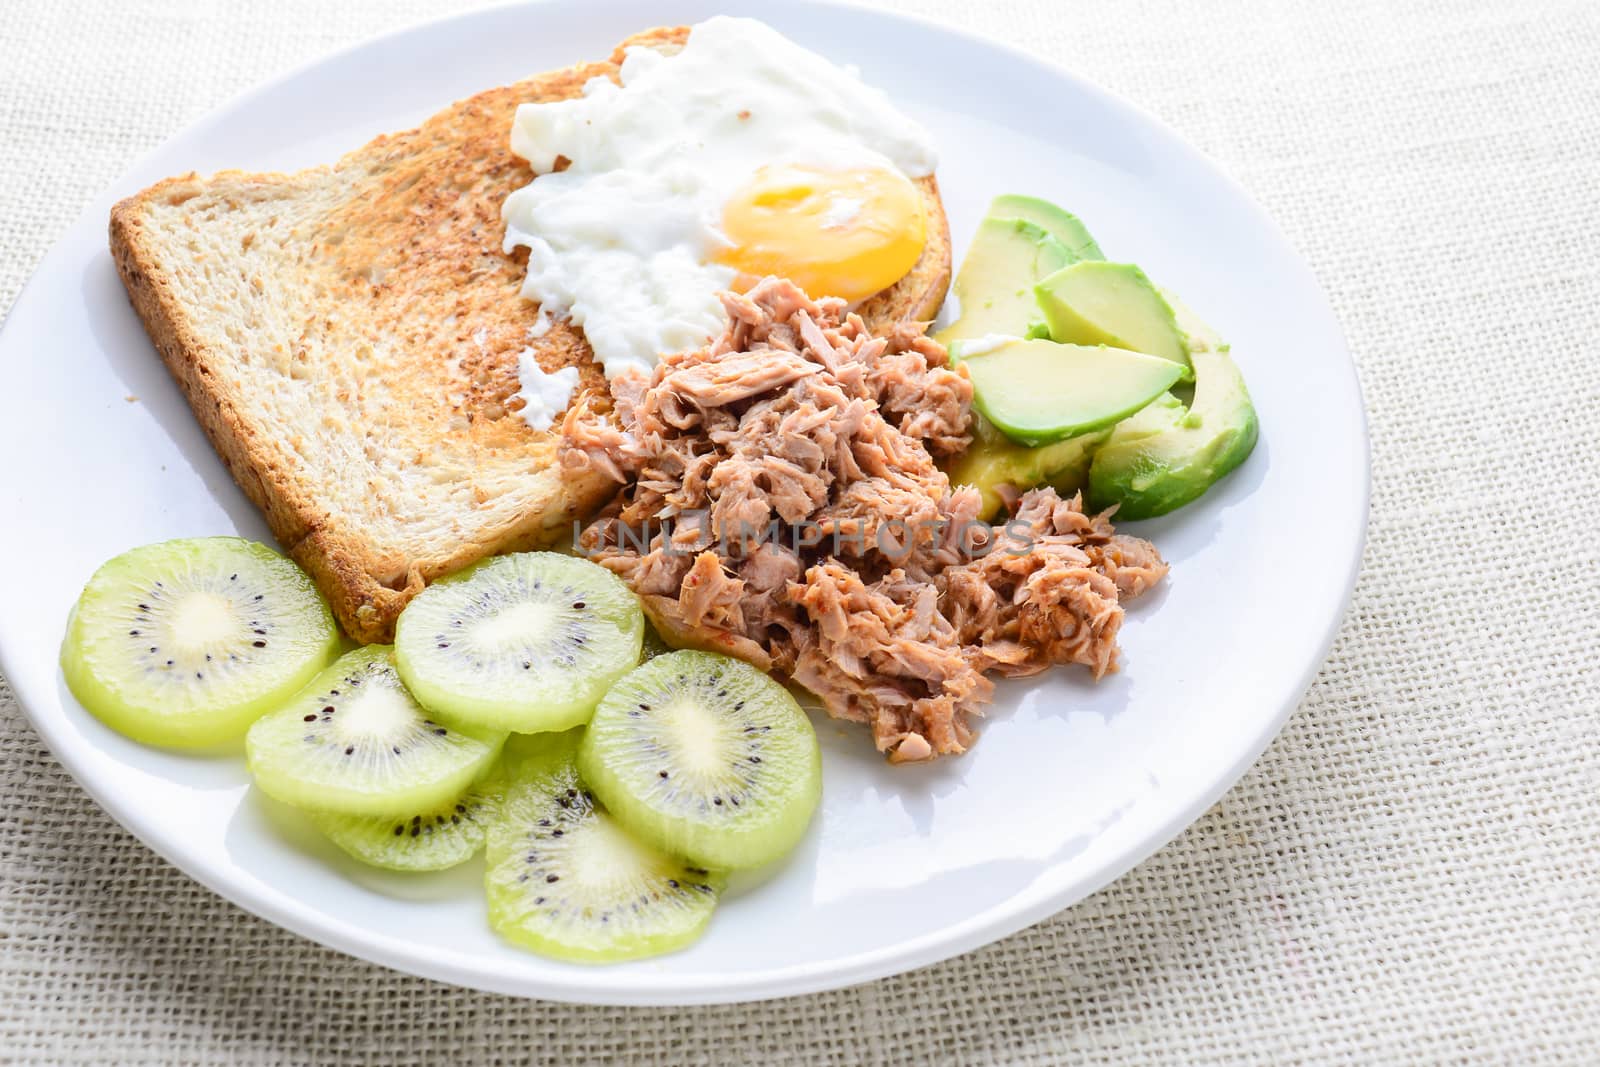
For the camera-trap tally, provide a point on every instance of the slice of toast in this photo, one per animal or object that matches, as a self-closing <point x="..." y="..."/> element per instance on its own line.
<point x="348" y="338"/>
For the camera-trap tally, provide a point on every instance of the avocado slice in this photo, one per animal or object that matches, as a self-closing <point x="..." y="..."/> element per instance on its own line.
<point x="1064" y="226"/>
<point x="993" y="460"/>
<point x="1164" y="413"/>
<point x="1098" y="303"/>
<point x="1038" y="392"/>
<point x="995" y="286"/>
<point x="1197" y="334"/>
<point x="1148" y="474"/>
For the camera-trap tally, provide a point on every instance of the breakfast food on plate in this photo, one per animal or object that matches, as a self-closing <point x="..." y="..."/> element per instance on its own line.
<point x="1038" y="392"/>
<point x="741" y="155"/>
<point x="188" y="642"/>
<point x="707" y="757"/>
<point x="1156" y="464"/>
<point x="1002" y="470"/>
<point x="565" y="879"/>
<point x="1034" y="272"/>
<point x="355" y="742"/>
<point x="352" y="337"/>
<point x="526" y="642"/>
<point x="684" y="295"/>
<point x="994" y="288"/>
<point x="798" y="416"/>
<point x="1098" y="303"/>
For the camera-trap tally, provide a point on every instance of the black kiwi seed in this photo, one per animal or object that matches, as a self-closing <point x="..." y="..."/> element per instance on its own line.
<point x="552" y="878"/>
<point x="577" y="605"/>
<point x="311" y="718"/>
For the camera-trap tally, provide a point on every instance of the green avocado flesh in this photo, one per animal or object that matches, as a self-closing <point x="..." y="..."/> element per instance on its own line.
<point x="1151" y="473"/>
<point x="1062" y="225"/>
<point x="994" y="461"/>
<point x="1164" y="413"/>
<point x="1039" y="392"/>
<point x="995" y="287"/>
<point x="1078" y="398"/>
<point x="1099" y="303"/>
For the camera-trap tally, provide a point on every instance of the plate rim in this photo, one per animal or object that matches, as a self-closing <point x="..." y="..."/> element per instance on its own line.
<point x="609" y="987"/>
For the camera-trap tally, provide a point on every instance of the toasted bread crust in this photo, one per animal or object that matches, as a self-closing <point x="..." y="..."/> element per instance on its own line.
<point x="359" y="386"/>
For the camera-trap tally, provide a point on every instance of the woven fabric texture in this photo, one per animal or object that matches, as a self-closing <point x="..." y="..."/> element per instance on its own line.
<point x="1411" y="873"/>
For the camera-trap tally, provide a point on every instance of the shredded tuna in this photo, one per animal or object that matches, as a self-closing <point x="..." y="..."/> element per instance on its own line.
<point x="780" y="502"/>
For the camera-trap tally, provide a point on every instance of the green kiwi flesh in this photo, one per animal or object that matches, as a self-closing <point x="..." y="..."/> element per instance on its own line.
<point x="430" y="840"/>
<point x="354" y="741"/>
<point x="706" y="757"/>
<point x="566" y="880"/>
<point x="526" y="642"/>
<point x="186" y="643"/>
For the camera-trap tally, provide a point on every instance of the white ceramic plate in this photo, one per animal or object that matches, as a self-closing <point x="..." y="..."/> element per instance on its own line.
<point x="1071" y="783"/>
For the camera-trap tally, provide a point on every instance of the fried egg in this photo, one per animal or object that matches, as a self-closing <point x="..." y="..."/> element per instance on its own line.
<point x="739" y="156"/>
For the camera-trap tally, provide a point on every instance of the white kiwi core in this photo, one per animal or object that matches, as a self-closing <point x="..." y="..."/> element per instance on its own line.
<point x="520" y="624"/>
<point x="203" y="619"/>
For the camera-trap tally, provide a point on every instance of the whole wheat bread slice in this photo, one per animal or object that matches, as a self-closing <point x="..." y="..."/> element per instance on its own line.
<point x="348" y="338"/>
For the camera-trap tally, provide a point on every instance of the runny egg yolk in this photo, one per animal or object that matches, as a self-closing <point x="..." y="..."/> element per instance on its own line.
<point x="845" y="233"/>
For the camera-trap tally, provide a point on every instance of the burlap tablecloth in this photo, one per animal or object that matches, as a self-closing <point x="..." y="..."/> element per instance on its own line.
<point x="1411" y="872"/>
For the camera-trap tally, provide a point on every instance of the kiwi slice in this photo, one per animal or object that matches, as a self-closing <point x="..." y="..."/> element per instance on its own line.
<point x="185" y="643"/>
<point x="707" y="757"/>
<point x="526" y="642"/>
<point x="432" y="840"/>
<point x="355" y="742"/>
<point x="566" y="880"/>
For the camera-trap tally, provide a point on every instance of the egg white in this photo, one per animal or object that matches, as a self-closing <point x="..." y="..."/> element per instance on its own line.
<point x="622" y="240"/>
